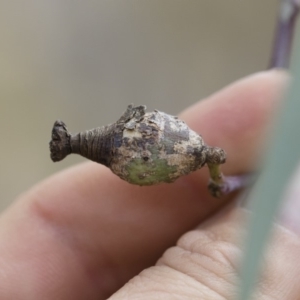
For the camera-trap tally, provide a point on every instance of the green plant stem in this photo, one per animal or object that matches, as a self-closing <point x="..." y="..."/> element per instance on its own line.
<point x="267" y="193"/>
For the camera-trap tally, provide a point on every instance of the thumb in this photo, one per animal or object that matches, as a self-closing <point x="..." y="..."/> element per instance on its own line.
<point x="205" y="264"/>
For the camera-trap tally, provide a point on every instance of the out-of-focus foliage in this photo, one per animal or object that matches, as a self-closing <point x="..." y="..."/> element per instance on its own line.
<point x="281" y="162"/>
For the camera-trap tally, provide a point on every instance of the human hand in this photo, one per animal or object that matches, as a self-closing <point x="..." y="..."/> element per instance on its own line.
<point x="84" y="233"/>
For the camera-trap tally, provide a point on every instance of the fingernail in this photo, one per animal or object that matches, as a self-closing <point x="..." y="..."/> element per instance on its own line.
<point x="289" y="213"/>
<point x="243" y="198"/>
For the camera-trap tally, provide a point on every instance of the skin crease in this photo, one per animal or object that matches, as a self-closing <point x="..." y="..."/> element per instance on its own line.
<point x="84" y="233"/>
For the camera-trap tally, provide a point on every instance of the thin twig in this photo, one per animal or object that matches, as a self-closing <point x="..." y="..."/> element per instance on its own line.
<point x="281" y="53"/>
<point x="288" y="13"/>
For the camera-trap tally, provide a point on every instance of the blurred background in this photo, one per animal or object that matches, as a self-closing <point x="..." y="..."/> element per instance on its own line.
<point x="84" y="61"/>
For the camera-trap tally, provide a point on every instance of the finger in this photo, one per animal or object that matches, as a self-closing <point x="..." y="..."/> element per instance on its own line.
<point x="238" y="117"/>
<point x="88" y="220"/>
<point x="205" y="263"/>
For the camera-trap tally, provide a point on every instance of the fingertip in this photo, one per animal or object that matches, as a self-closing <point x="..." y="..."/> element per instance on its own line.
<point x="253" y="87"/>
<point x="236" y="118"/>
